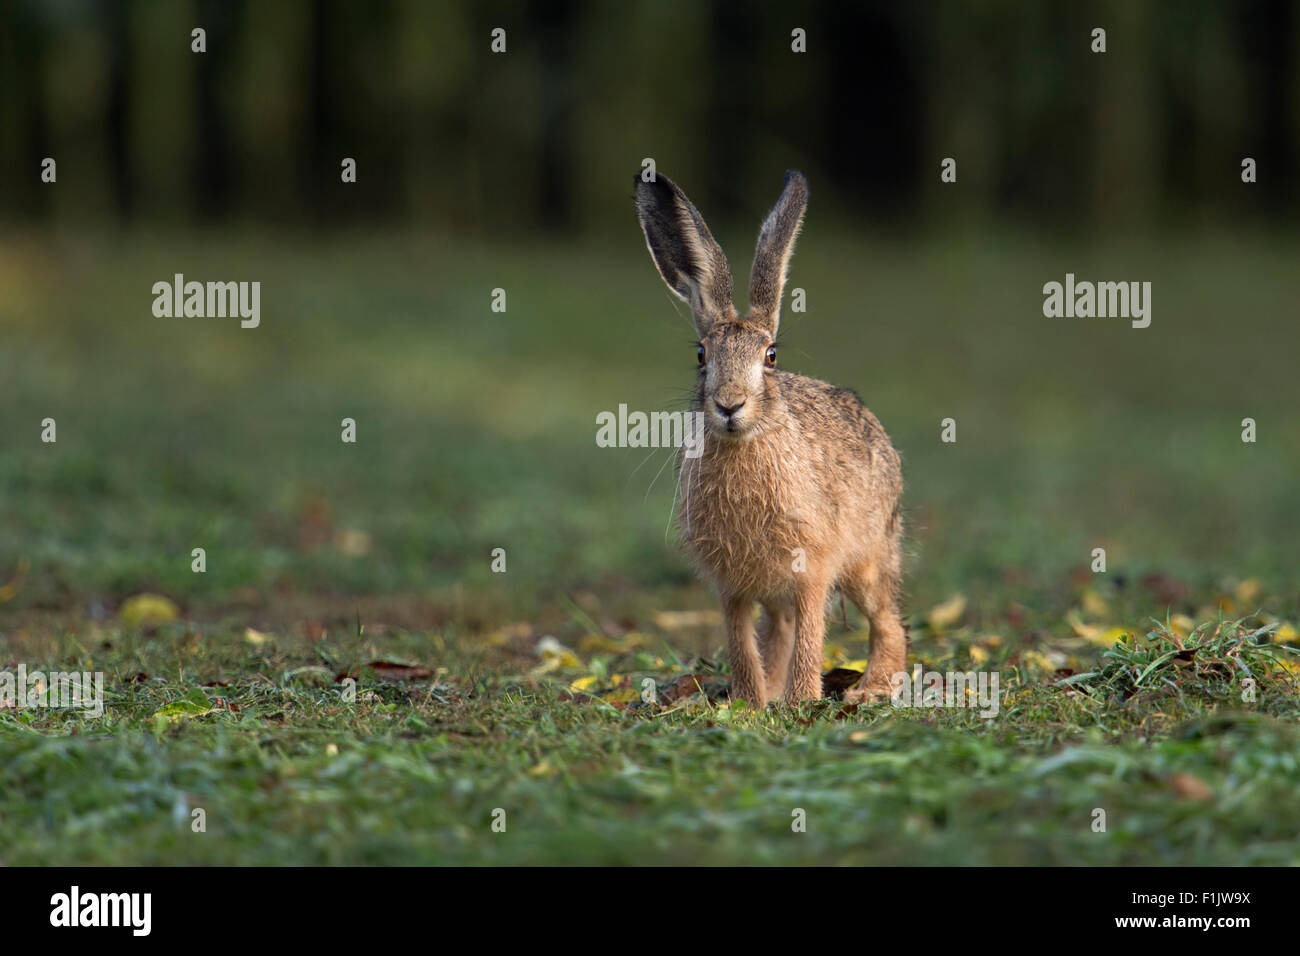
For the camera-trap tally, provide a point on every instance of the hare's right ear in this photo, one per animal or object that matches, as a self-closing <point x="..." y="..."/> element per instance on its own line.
<point x="775" y="245"/>
<point x="685" y="253"/>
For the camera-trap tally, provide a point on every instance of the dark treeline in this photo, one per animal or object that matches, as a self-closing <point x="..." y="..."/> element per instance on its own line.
<point x="546" y="136"/>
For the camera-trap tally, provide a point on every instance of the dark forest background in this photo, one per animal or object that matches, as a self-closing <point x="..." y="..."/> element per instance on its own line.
<point x="449" y="136"/>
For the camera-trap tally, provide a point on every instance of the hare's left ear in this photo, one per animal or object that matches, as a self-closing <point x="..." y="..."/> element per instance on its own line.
<point x="684" y="251"/>
<point x="772" y="257"/>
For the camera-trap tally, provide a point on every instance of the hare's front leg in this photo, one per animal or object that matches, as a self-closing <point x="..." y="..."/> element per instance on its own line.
<point x="776" y="641"/>
<point x="742" y="652"/>
<point x="809" y="637"/>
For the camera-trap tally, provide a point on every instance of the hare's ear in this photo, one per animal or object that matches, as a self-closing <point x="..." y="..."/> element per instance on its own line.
<point x="685" y="253"/>
<point x="775" y="244"/>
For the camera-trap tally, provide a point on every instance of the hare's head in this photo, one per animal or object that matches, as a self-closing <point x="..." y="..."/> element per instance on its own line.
<point x="736" y="354"/>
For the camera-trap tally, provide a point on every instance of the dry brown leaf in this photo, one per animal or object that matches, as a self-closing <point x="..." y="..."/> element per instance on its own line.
<point x="388" y="670"/>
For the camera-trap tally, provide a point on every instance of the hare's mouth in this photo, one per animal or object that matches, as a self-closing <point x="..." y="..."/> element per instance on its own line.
<point x="731" y="429"/>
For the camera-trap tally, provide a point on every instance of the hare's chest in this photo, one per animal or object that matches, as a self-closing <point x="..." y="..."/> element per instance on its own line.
<point x="745" y="527"/>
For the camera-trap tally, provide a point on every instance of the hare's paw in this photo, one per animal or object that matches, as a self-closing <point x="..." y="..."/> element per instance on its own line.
<point x="868" y="692"/>
<point x="751" y="693"/>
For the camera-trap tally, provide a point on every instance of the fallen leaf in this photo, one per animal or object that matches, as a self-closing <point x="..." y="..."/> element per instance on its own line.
<point x="839" y="680"/>
<point x="688" y="684"/>
<point x="1190" y="788"/>
<point x="10" y="590"/>
<point x="624" y="698"/>
<point x="147" y="610"/>
<point x="552" y="651"/>
<point x="194" y="704"/>
<point x="1248" y="591"/>
<point x="1094" y="633"/>
<point x="578" y="697"/>
<point x="945" y="615"/>
<point x="353" y="543"/>
<point x="677" y="620"/>
<point x="1094" y="604"/>
<point x="390" y="670"/>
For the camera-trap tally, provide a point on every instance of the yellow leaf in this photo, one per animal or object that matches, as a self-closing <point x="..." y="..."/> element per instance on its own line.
<point x="181" y="710"/>
<point x="1089" y="632"/>
<point x="948" y="613"/>
<point x="625" y="695"/>
<point x="10" y="590"/>
<point x="1248" y="591"/>
<point x="1095" y="604"/>
<point x="503" y="636"/>
<point x="1113" y="635"/>
<point x="978" y="655"/>
<point x="147" y="610"/>
<point x="600" y="643"/>
<point x="1038" y="661"/>
<point x="353" y="543"/>
<point x="553" y="652"/>
<point x="1286" y="634"/>
<point x="677" y="620"/>
<point x="584" y="683"/>
<point x="1182" y="625"/>
<point x="256" y="638"/>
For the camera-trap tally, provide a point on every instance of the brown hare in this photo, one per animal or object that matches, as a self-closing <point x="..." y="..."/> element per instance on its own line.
<point x="796" y="490"/>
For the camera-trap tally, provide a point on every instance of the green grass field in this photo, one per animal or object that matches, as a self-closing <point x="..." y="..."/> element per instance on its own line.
<point x="476" y="430"/>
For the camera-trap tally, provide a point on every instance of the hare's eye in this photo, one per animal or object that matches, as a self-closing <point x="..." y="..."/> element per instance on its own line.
<point x="700" y="355"/>
<point x="771" y="356"/>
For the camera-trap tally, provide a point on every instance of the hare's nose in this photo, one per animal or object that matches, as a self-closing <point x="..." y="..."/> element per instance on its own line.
<point x="729" y="410"/>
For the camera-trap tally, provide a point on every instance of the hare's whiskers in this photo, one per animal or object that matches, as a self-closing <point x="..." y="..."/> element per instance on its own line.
<point x="667" y="459"/>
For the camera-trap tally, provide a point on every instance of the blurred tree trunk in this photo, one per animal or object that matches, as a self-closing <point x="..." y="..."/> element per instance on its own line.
<point x="22" y="70"/>
<point x="1279" y="117"/>
<point x="556" y="26"/>
<point x="730" y="115"/>
<point x="322" y="139"/>
<point x="1123" y="160"/>
<point x="214" y="184"/>
<point x="119" y="108"/>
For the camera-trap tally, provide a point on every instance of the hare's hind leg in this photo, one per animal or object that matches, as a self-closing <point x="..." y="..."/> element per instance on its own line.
<point x="742" y="652"/>
<point x="776" y="642"/>
<point x="875" y="592"/>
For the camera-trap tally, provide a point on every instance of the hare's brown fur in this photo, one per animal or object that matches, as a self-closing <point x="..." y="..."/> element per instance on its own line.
<point x="797" y="488"/>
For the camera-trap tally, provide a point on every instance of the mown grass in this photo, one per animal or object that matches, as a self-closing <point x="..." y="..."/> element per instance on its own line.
<point x="285" y="769"/>
<point x="476" y="431"/>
